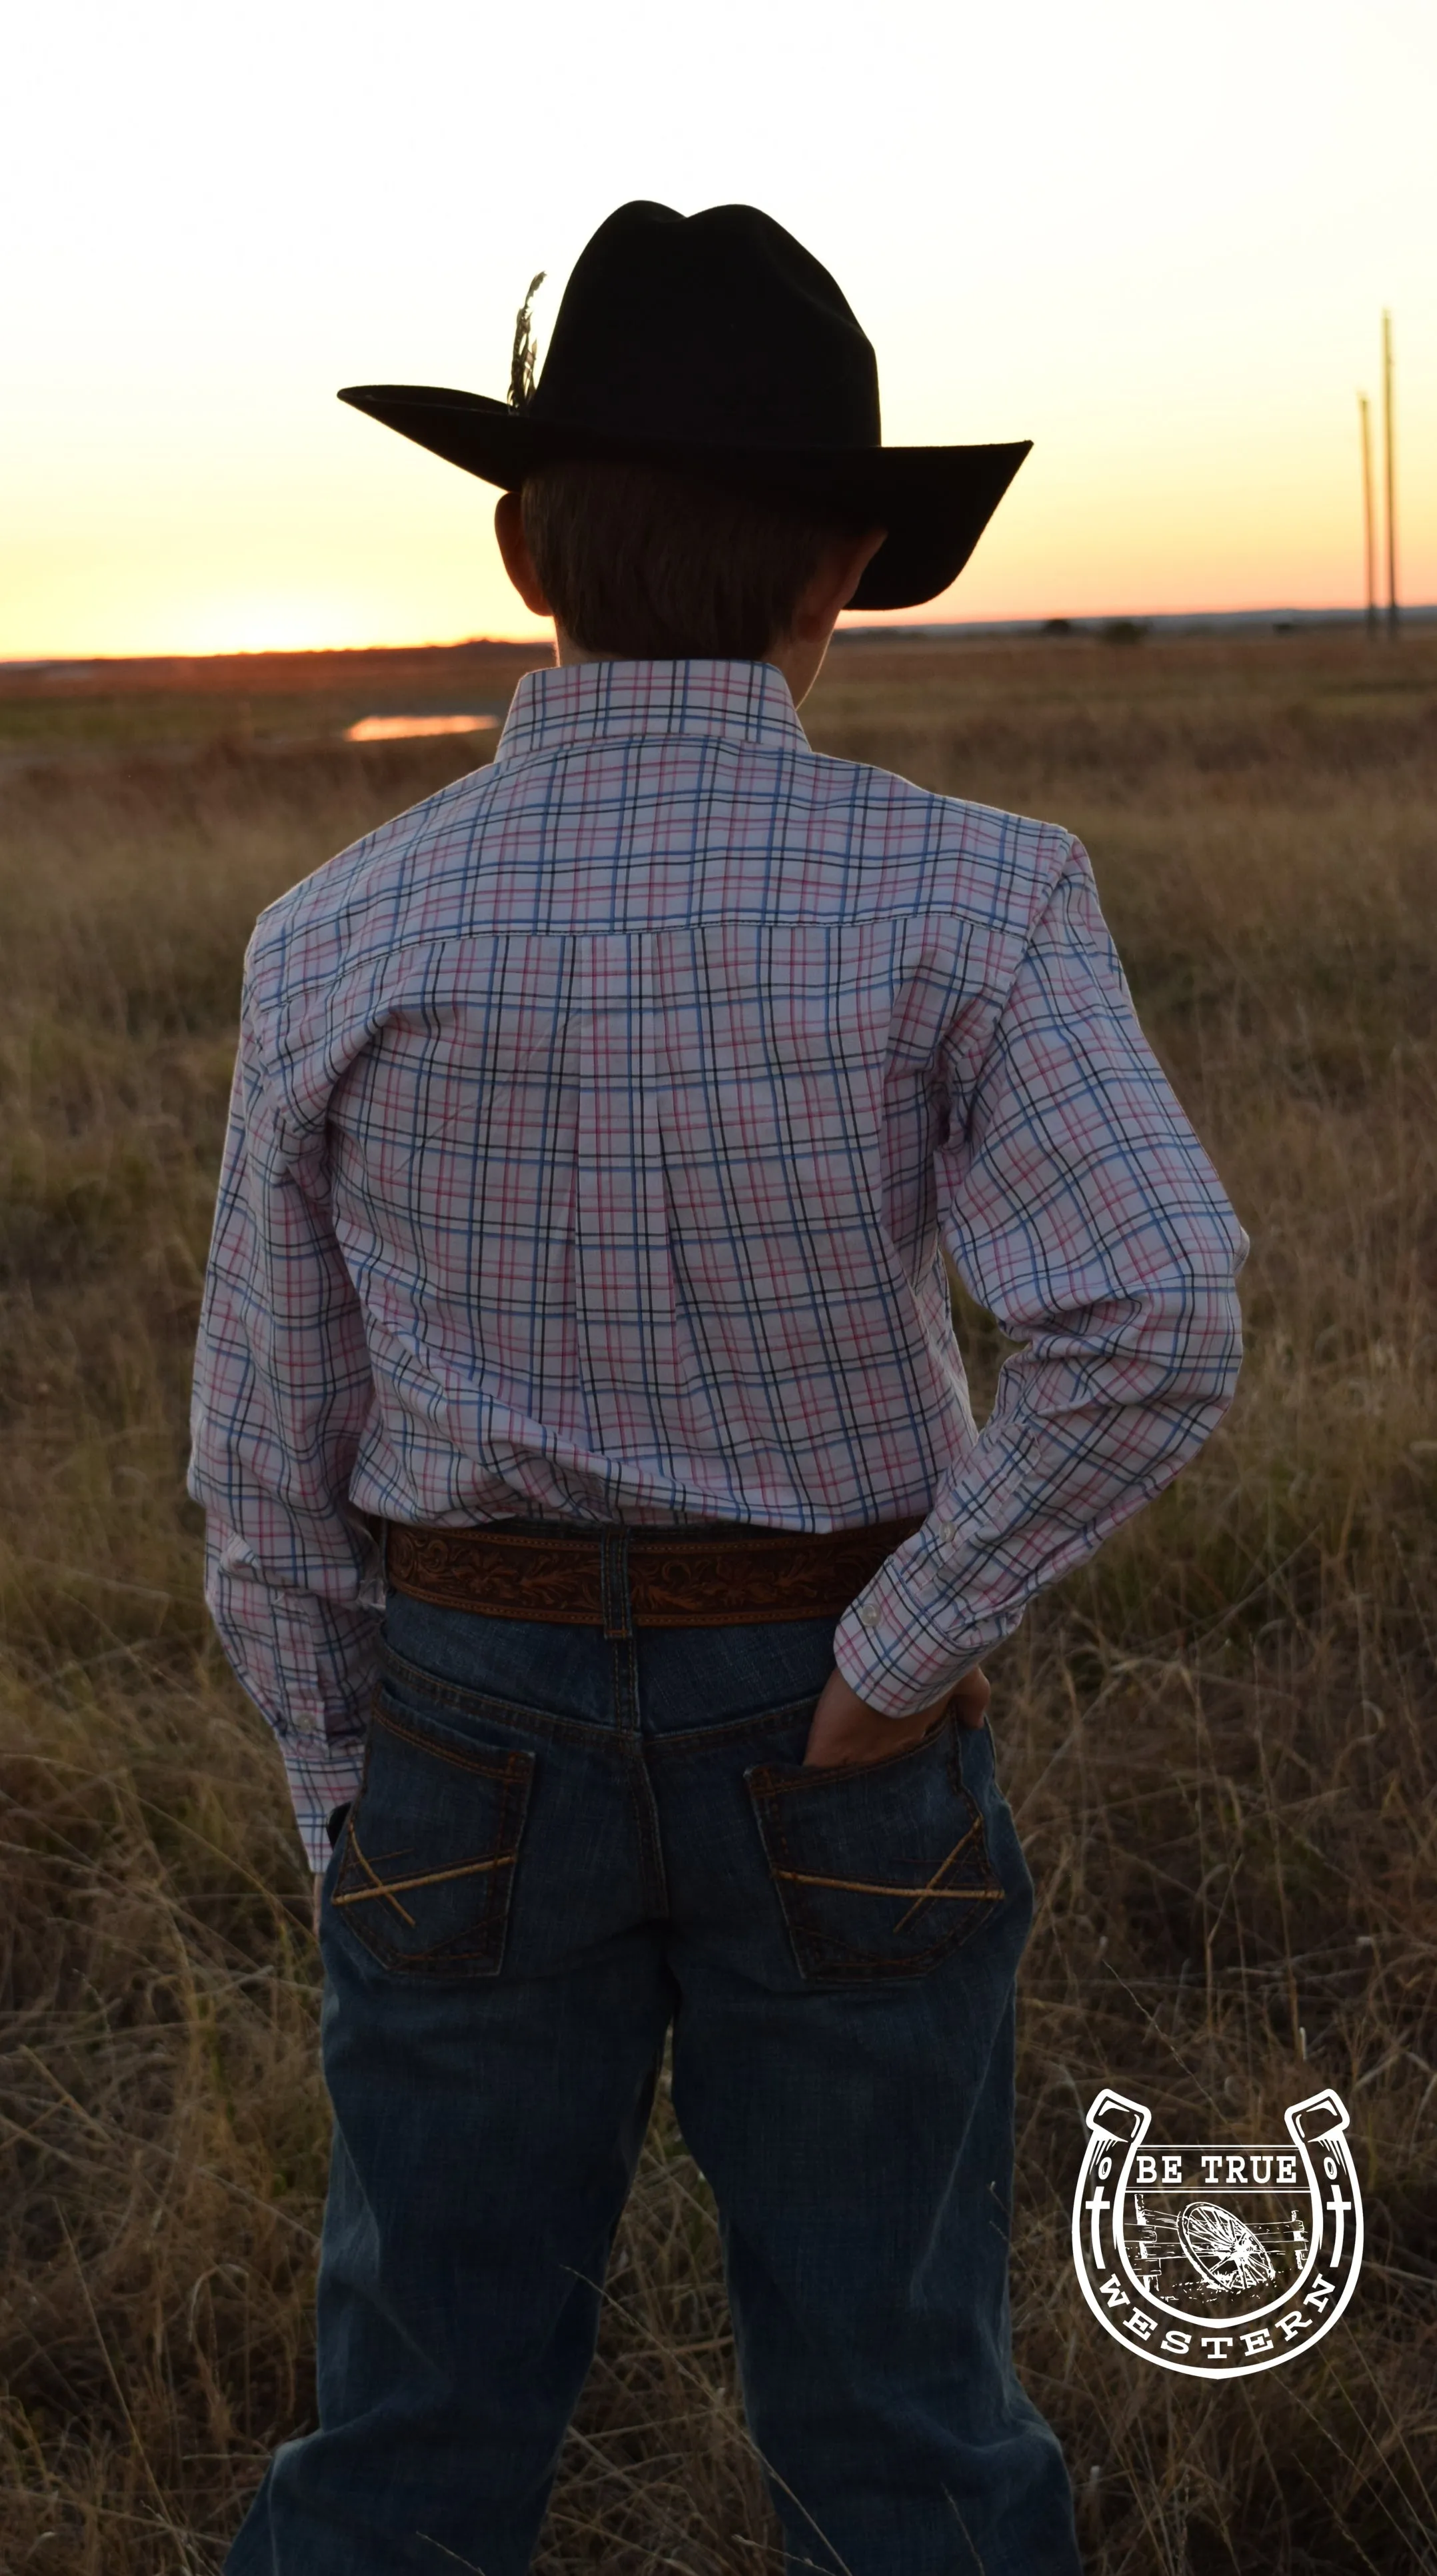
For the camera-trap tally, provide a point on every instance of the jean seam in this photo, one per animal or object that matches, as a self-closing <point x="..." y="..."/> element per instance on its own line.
<point x="628" y="1716"/>
<point x="470" y="1703"/>
<point x="587" y="1731"/>
<point x="501" y="1768"/>
<point x="697" y="1740"/>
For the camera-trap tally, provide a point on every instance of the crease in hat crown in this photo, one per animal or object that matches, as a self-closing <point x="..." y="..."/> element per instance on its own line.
<point x="716" y="344"/>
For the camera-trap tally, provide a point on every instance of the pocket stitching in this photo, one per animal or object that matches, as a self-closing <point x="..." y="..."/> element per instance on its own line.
<point x="822" y="1957"/>
<point x="813" y="1949"/>
<point x="513" y="1776"/>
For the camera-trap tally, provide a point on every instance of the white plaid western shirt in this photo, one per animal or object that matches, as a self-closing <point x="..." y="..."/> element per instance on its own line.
<point x="597" y="1129"/>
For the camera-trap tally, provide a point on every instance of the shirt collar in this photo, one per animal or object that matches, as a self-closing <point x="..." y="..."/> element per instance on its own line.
<point x="593" y="701"/>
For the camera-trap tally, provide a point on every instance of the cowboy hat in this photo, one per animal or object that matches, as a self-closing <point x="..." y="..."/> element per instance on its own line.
<point x="716" y="345"/>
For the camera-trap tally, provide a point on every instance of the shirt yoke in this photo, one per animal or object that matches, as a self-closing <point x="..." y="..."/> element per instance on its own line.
<point x="648" y="835"/>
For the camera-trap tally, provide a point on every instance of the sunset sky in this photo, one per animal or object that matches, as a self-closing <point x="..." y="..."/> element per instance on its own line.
<point x="1155" y="240"/>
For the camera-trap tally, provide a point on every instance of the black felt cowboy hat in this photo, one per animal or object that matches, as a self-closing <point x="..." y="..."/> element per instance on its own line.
<point x="716" y="344"/>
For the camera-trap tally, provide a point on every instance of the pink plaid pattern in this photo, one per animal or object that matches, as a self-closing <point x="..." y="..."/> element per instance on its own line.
<point x="597" y="1130"/>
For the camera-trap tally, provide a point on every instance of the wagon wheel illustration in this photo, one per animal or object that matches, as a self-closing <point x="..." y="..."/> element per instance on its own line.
<point x="1223" y="2248"/>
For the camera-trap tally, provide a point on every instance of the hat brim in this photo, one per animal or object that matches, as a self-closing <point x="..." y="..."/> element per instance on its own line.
<point x="935" y="502"/>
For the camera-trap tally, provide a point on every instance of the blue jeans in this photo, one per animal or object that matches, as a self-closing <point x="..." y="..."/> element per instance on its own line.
<point x="566" y="1843"/>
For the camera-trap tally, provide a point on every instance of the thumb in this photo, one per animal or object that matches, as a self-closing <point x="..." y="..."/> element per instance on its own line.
<point x="969" y="1703"/>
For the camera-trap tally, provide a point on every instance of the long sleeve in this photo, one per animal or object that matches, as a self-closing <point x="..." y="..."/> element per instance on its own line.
<point x="281" y="1394"/>
<point x="1078" y="1207"/>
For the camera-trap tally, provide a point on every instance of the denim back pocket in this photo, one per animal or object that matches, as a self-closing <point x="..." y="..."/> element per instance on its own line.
<point x="881" y="1868"/>
<point x="429" y="1848"/>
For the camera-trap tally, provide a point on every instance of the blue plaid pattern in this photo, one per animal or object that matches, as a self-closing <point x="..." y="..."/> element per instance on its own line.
<point x="597" y="1130"/>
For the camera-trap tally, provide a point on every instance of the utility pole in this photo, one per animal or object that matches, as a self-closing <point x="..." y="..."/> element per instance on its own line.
<point x="1368" y="530"/>
<point x="1390" y="476"/>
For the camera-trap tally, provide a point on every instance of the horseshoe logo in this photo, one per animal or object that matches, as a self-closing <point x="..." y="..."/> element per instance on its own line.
<point x="1217" y="2261"/>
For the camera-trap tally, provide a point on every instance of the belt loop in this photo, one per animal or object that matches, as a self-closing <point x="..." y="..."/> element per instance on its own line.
<point x="614" y="1583"/>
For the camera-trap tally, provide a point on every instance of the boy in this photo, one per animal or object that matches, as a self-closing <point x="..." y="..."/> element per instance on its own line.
<point x="595" y="1506"/>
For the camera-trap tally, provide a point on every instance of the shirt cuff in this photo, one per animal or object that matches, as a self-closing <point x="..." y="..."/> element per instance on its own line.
<point x="321" y="1778"/>
<point x="896" y="1682"/>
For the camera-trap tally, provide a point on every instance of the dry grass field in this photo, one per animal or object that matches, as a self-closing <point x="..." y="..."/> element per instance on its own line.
<point x="1219" y="1740"/>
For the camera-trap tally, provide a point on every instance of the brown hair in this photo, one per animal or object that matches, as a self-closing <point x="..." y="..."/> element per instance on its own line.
<point x="651" y="565"/>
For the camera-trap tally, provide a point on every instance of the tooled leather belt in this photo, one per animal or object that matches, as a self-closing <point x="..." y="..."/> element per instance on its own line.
<point x="698" y="1577"/>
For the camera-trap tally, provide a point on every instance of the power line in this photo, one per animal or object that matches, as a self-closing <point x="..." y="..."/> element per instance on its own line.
<point x="1390" y="477"/>
<point x="1368" y="530"/>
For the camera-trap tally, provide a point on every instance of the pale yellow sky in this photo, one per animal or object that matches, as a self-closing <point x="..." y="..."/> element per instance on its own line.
<point x="1156" y="241"/>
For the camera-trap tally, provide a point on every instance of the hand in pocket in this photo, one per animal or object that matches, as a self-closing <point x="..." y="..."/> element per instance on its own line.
<point x="881" y="1868"/>
<point x="846" y="1729"/>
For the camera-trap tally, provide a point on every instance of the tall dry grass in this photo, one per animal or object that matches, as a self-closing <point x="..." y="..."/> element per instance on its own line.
<point x="1217" y="1740"/>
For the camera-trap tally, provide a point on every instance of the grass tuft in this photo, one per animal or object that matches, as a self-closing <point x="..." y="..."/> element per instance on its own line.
<point x="1218" y="1738"/>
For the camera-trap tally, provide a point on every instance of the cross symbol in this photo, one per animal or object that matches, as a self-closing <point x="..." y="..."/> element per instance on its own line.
<point x="1098" y="2203"/>
<point x="1337" y="2205"/>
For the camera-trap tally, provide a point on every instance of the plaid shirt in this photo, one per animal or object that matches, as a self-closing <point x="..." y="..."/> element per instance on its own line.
<point x="597" y="1128"/>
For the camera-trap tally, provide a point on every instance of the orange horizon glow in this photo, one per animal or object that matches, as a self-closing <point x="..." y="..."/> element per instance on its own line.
<point x="394" y="548"/>
<point x="386" y="728"/>
<point x="124" y="630"/>
<point x="1060" y="546"/>
<point x="1159" y="246"/>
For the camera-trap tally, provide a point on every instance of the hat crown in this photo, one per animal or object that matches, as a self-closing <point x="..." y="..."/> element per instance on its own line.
<point x="717" y="329"/>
